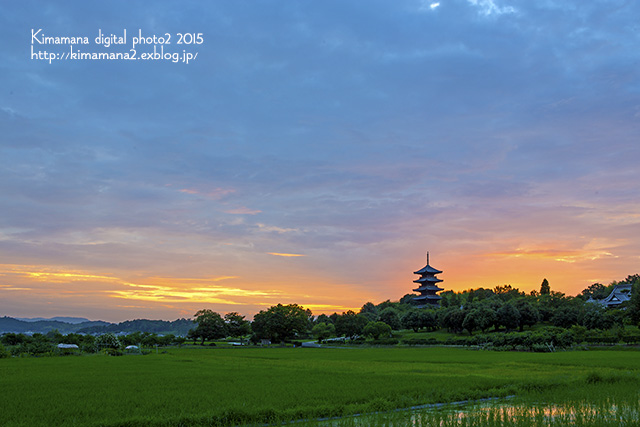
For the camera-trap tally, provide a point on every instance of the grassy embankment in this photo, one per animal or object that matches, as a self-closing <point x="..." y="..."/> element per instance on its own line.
<point x="194" y="387"/>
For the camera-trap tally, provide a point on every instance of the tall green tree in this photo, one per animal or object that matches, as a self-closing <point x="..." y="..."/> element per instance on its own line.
<point x="390" y="316"/>
<point x="545" y="289"/>
<point x="370" y="311"/>
<point x="210" y="326"/>
<point x="237" y="325"/>
<point x="322" y="331"/>
<point x="529" y="315"/>
<point x="418" y="318"/>
<point x="595" y="291"/>
<point x="350" y="324"/>
<point x="634" y="304"/>
<point x="281" y="322"/>
<point x="485" y="317"/>
<point x="509" y="316"/>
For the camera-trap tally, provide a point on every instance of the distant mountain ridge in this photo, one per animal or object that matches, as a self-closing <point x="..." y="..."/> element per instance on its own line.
<point x="72" y="320"/>
<point x="9" y="324"/>
<point x="97" y="327"/>
<point x="177" y="327"/>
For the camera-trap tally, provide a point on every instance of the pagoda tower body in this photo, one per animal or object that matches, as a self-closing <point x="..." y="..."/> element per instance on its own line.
<point x="427" y="286"/>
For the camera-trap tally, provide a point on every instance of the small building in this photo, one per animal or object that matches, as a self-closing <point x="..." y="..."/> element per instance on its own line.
<point x="68" y="346"/>
<point x="620" y="293"/>
<point x="427" y="286"/>
<point x="66" y="349"/>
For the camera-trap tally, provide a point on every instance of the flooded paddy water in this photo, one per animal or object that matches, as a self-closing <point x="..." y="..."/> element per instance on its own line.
<point x="495" y="413"/>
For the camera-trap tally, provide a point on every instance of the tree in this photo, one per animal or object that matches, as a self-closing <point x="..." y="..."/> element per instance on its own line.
<point x="565" y="316"/>
<point x="191" y="335"/>
<point x="634" y="304"/>
<point x="469" y="321"/>
<point x="529" y="315"/>
<point x="281" y="322"/>
<point x="450" y="299"/>
<point x="451" y="318"/>
<point x="12" y="339"/>
<point x="507" y="292"/>
<point x="390" y="316"/>
<point x="509" y="316"/>
<point x="407" y="299"/>
<point x="107" y="341"/>
<point x="595" y="291"/>
<point x="350" y="324"/>
<point x="377" y="329"/>
<point x="594" y="317"/>
<point x="322" y="331"/>
<point x="4" y="353"/>
<point x="370" y="311"/>
<point x="545" y="289"/>
<point x="323" y="318"/>
<point x="418" y="318"/>
<point x="237" y="326"/>
<point x="210" y="326"/>
<point x="485" y="317"/>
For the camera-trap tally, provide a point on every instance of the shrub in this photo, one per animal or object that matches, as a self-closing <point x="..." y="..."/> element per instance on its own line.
<point x="32" y="349"/>
<point x="420" y="341"/>
<point x="386" y="341"/>
<point x="107" y="341"/>
<point x="3" y="352"/>
<point x="377" y="330"/>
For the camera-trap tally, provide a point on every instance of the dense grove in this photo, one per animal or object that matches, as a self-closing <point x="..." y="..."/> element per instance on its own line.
<point x="498" y="318"/>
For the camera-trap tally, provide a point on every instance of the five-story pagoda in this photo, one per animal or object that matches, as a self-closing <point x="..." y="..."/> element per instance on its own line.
<point x="428" y="287"/>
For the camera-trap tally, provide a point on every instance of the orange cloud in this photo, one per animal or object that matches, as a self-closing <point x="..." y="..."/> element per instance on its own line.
<point x="284" y="255"/>
<point x="569" y="256"/>
<point x="49" y="274"/>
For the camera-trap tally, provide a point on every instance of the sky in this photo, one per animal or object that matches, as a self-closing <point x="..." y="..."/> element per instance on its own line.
<point x="313" y="152"/>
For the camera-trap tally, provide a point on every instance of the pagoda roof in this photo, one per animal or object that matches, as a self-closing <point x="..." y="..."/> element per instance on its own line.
<point x="428" y="288"/>
<point x="424" y="279"/>
<point x="425" y="297"/>
<point x="427" y="269"/>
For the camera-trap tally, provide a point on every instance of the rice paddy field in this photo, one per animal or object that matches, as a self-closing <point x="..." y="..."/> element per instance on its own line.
<point x="323" y="387"/>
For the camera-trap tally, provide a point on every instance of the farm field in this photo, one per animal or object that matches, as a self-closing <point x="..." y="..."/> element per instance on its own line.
<point x="204" y="386"/>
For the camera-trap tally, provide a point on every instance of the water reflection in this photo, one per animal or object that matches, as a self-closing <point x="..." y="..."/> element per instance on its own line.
<point x="498" y="414"/>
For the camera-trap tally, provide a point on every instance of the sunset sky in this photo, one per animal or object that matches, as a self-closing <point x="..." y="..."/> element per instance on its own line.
<point x="313" y="152"/>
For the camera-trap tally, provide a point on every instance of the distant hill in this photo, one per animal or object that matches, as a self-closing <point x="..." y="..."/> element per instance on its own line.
<point x="164" y="327"/>
<point x="72" y="320"/>
<point x="9" y="324"/>
<point x="161" y="327"/>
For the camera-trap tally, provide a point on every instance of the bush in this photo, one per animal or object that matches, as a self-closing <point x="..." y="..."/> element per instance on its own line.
<point x="377" y="330"/>
<point x="4" y="353"/>
<point x="32" y="349"/>
<point x="107" y="341"/>
<point x="88" y="347"/>
<point x="631" y="339"/>
<point x="420" y="341"/>
<point x="386" y="341"/>
<point x="540" y="348"/>
<point x="113" y="352"/>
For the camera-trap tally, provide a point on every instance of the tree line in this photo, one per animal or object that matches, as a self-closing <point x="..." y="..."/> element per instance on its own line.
<point x="503" y="308"/>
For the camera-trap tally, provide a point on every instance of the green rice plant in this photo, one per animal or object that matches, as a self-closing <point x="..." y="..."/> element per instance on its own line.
<point x="244" y="386"/>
